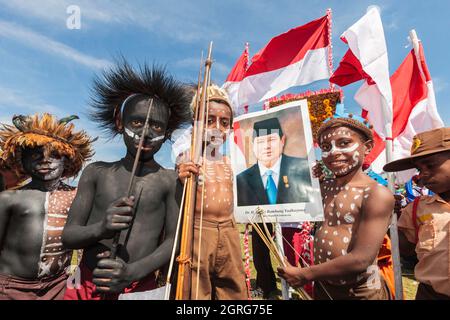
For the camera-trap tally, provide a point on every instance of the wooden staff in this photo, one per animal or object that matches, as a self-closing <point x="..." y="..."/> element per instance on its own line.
<point x="182" y="203"/>
<point x="115" y="244"/>
<point x="184" y="282"/>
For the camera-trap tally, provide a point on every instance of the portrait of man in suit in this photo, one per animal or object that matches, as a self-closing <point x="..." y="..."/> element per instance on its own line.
<point x="275" y="178"/>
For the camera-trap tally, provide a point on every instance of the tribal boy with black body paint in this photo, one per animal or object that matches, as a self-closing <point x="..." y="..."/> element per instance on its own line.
<point x="33" y="260"/>
<point x="357" y="214"/>
<point x="120" y="104"/>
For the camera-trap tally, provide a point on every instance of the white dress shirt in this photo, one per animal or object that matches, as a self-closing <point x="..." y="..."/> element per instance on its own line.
<point x="275" y="172"/>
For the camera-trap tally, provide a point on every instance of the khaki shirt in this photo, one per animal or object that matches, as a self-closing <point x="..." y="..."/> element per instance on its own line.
<point x="433" y="246"/>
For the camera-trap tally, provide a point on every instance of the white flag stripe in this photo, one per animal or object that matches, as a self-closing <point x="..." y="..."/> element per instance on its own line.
<point x="232" y="89"/>
<point x="434" y="117"/>
<point x="367" y="42"/>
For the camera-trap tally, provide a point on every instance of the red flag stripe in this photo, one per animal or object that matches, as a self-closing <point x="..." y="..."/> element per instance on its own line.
<point x="238" y="71"/>
<point x="408" y="89"/>
<point x="290" y="47"/>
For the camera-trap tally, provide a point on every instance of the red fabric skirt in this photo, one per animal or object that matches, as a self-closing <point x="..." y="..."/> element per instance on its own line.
<point x="86" y="291"/>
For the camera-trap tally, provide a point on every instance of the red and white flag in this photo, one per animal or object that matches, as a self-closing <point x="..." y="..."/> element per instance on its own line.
<point x="367" y="59"/>
<point x="297" y="57"/>
<point x="237" y="150"/>
<point x="414" y="111"/>
<point x="231" y="85"/>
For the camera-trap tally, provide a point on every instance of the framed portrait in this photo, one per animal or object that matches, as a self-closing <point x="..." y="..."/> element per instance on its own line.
<point x="272" y="156"/>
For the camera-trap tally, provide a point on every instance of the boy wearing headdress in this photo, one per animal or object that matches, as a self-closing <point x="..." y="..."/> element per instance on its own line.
<point x="101" y="208"/>
<point x="33" y="260"/>
<point x="221" y="271"/>
<point x="357" y="214"/>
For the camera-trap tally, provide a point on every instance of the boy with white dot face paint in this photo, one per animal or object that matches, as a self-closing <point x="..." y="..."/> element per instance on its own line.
<point x="357" y="214"/>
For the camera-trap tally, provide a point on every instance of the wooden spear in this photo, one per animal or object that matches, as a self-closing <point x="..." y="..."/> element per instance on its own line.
<point x="116" y="240"/>
<point x="185" y="257"/>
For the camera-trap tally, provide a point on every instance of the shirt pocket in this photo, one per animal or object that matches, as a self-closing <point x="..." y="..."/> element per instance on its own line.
<point x="427" y="236"/>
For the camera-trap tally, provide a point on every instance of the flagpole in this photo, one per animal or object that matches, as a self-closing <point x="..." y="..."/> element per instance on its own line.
<point x="330" y="46"/>
<point x="415" y="44"/>
<point x="279" y="238"/>
<point x="393" y="230"/>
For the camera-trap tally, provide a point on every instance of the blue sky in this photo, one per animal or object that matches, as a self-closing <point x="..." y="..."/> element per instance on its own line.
<point x="46" y="66"/>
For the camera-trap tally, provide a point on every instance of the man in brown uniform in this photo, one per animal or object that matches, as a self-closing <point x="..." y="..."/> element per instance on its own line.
<point x="222" y="275"/>
<point x="425" y="223"/>
<point x="33" y="260"/>
<point x="357" y="213"/>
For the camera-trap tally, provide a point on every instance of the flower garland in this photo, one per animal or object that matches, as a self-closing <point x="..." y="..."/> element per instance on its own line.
<point x="321" y="104"/>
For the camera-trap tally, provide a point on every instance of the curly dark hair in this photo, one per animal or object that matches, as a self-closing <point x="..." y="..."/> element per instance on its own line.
<point x="121" y="81"/>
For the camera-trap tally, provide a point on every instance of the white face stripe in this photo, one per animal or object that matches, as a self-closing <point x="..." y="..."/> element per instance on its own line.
<point x="133" y="135"/>
<point x="157" y="138"/>
<point x="334" y="149"/>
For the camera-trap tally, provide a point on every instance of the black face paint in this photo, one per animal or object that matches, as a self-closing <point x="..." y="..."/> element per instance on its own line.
<point x="41" y="167"/>
<point x="133" y="118"/>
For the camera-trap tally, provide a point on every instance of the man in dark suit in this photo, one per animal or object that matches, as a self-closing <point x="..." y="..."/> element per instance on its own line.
<point x="290" y="175"/>
<point x="275" y="179"/>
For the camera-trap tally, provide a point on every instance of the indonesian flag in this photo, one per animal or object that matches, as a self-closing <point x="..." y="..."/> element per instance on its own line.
<point x="237" y="151"/>
<point x="231" y="85"/>
<point x="367" y="59"/>
<point x="414" y="109"/>
<point x="297" y="57"/>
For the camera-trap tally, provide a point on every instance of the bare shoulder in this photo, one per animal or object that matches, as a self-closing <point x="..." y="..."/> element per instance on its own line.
<point x="379" y="192"/>
<point x="8" y="197"/>
<point x="101" y="165"/>
<point x="167" y="175"/>
<point x="378" y="198"/>
<point x="94" y="170"/>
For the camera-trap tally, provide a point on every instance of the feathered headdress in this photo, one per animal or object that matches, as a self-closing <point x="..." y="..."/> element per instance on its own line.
<point x="47" y="132"/>
<point x="113" y="90"/>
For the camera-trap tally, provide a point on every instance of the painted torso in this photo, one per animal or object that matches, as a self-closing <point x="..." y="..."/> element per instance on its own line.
<point x="150" y="191"/>
<point x="32" y="247"/>
<point x="342" y="210"/>
<point x="218" y="194"/>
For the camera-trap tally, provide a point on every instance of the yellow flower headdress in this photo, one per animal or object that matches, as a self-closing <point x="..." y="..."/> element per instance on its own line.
<point x="47" y="132"/>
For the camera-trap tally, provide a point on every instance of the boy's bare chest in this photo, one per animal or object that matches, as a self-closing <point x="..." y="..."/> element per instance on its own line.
<point x="29" y="205"/>
<point x="216" y="186"/>
<point x="115" y="184"/>
<point x="342" y="205"/>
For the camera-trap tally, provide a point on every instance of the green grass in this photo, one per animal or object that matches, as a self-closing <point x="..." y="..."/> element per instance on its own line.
<point x="409" y="282"/>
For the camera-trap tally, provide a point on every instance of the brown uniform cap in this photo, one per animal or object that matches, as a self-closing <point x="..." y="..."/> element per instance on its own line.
<point x="424" y="144"/>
